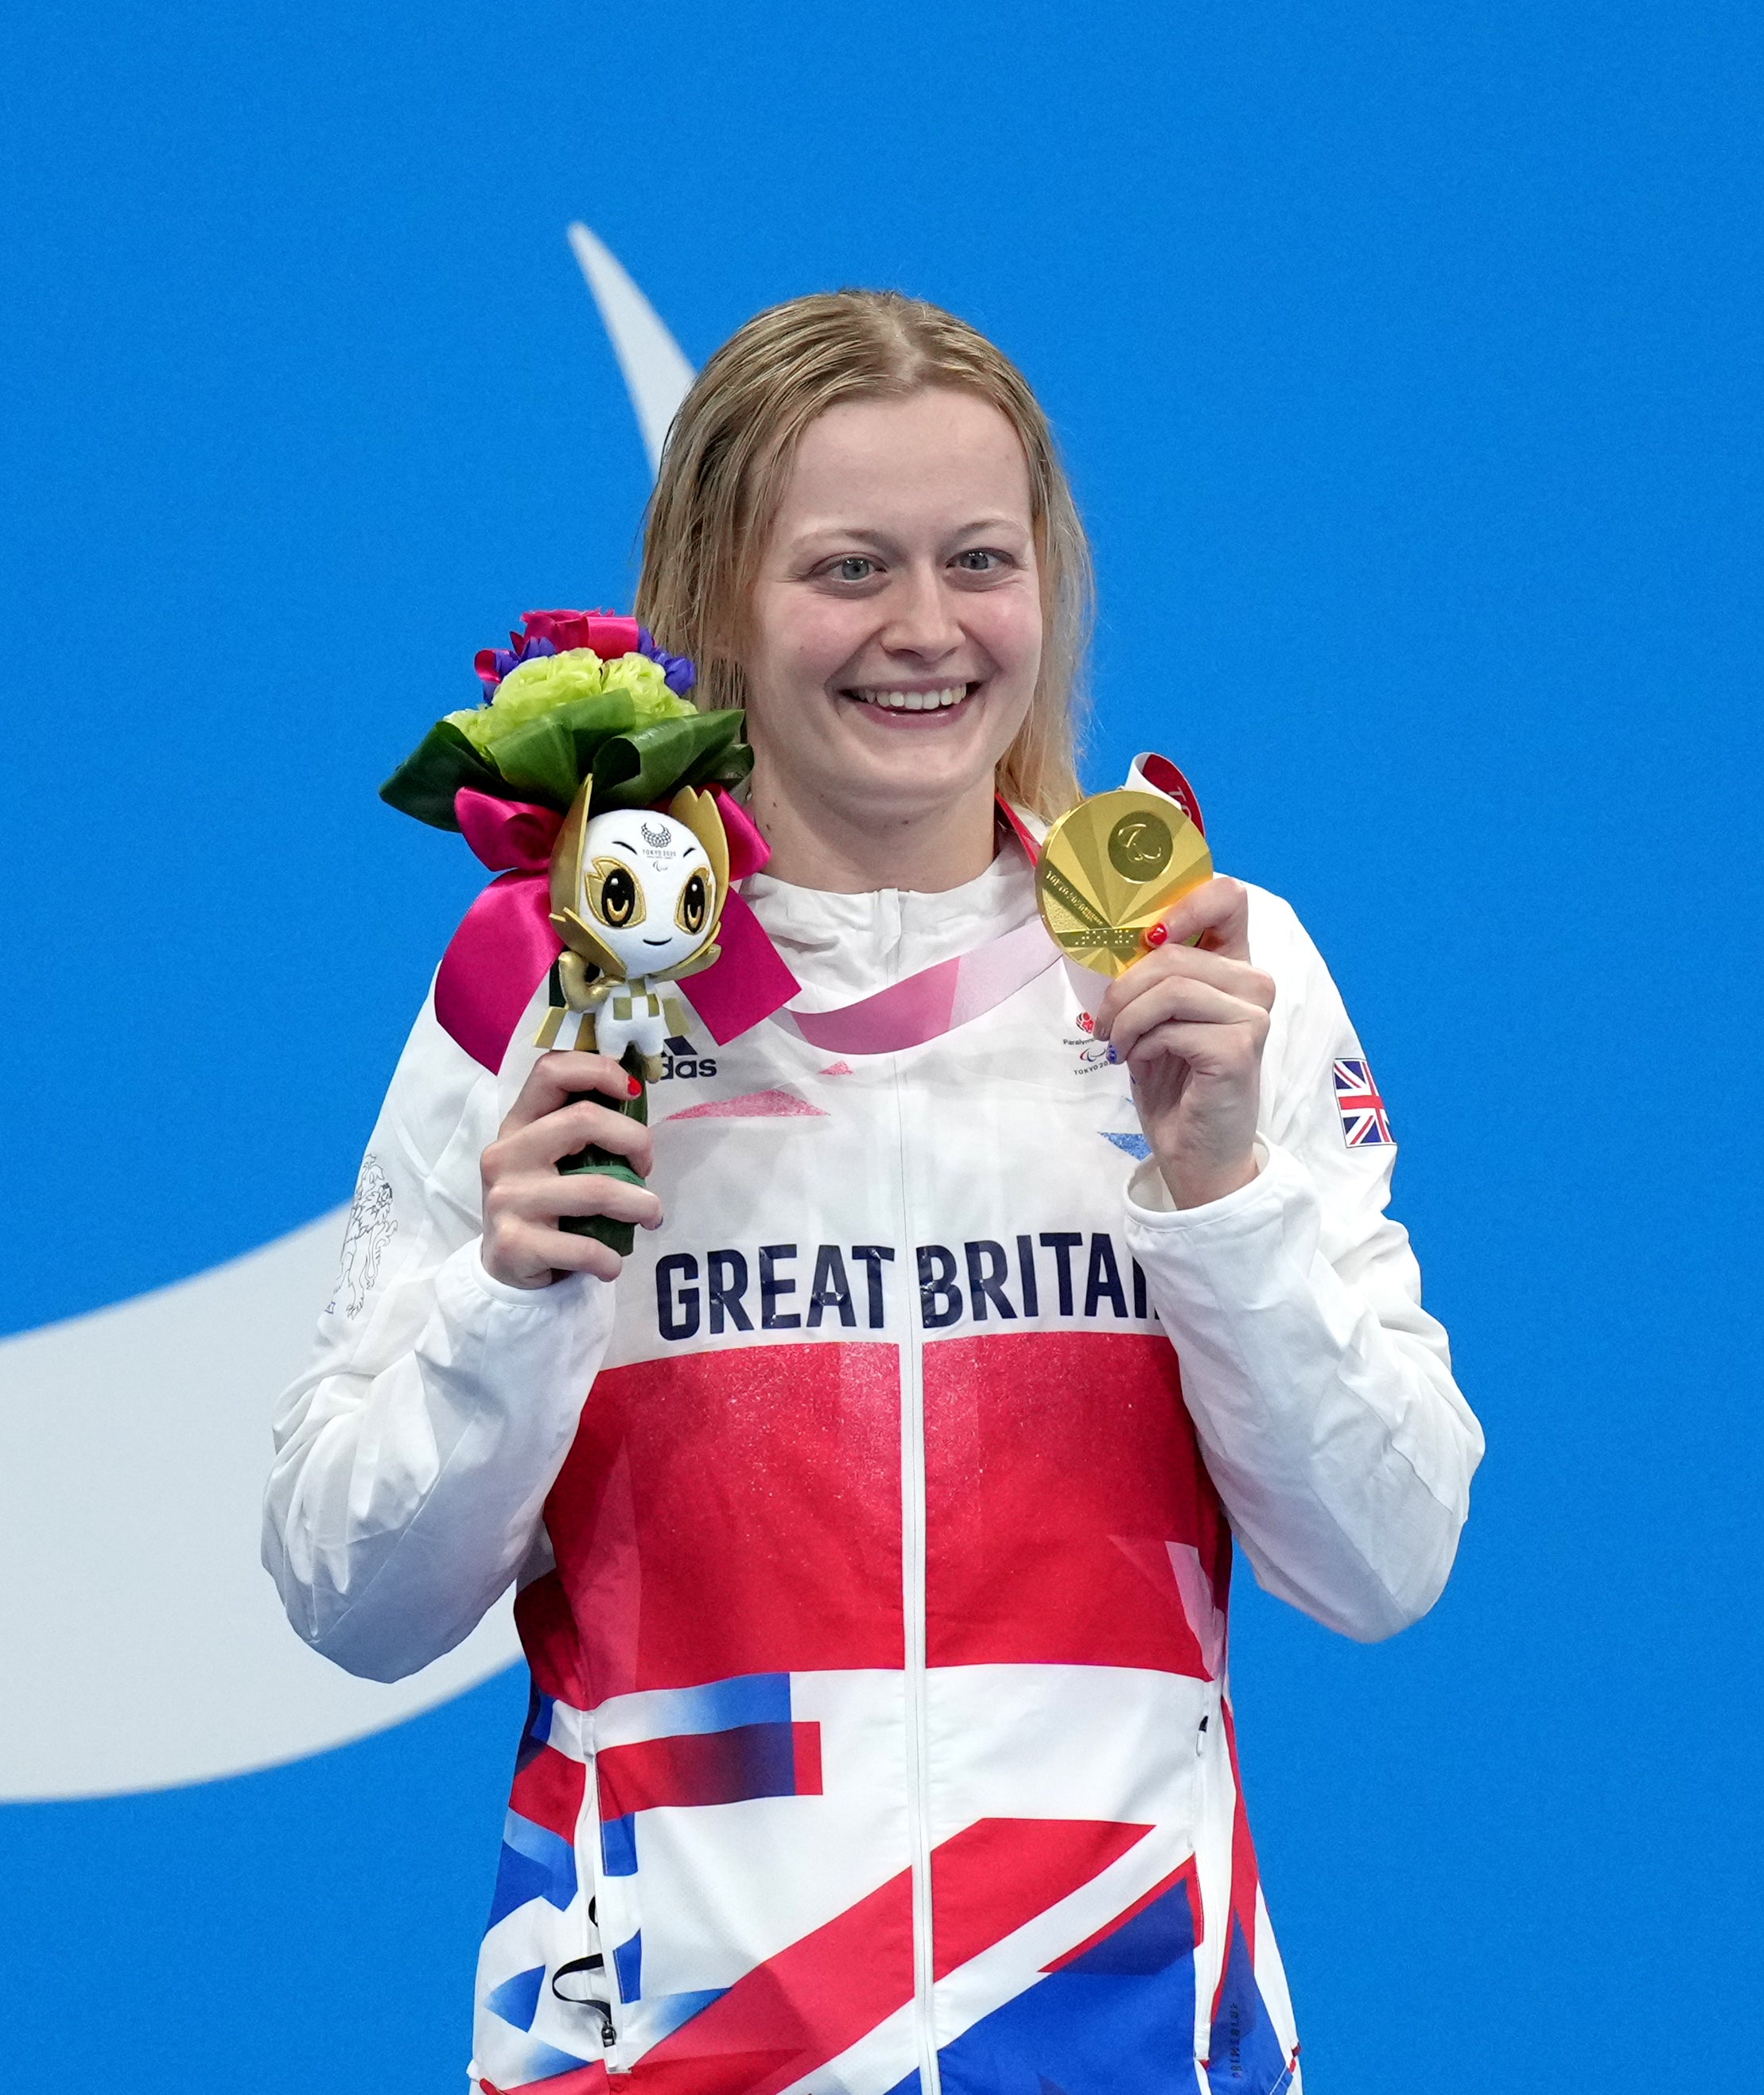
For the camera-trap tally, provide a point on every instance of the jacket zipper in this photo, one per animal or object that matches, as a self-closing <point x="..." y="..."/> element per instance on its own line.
<point x="912" y="1551"/>
<point x="593" y="1982"/>
<point x="1214" y="1887"/>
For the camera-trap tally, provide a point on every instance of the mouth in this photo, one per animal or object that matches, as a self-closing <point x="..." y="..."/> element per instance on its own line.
<point x="911" y="705"/>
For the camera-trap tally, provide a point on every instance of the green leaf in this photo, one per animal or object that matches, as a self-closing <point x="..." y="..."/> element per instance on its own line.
<point x="545" y="760"/>
<point x="425" y="783"/>
<point x="637" y="770"/>
<point x="732" y="767"/>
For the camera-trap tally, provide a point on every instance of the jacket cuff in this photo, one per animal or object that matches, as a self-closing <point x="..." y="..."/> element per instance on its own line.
<point x="476" y="1296"/>
<point x="477" y="1274"/>
<point x="1149" y="1203"/>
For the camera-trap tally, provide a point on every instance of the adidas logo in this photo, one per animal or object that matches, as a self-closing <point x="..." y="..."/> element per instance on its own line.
<point x="680" y="1059"/>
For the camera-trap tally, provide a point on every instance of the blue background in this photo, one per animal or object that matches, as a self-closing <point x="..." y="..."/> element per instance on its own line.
<point x="1406" y="359"/>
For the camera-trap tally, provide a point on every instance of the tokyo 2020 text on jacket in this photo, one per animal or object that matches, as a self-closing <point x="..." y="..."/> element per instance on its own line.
<point x="872" y="1531"/>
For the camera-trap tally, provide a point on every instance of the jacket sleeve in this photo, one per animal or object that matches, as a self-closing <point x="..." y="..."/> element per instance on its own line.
<point x="414" y="1452"/>
<point x="1321" y="1389"/>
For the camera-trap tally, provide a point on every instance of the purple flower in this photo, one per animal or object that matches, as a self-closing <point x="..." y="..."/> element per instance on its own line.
<point x="553" y="632"/>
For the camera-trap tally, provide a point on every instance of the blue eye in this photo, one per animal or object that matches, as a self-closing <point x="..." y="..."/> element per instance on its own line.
<point x="855" y="567"/>
<point x="977" y="561"/>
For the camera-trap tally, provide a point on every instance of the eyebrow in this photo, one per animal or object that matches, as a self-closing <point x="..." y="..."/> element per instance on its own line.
<point x="875" y="536"/>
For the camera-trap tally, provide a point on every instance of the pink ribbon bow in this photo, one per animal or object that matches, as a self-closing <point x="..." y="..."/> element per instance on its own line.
<point x="504" y="946"/>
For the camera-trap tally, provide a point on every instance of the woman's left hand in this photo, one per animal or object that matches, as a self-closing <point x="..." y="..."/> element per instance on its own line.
<point x="1189" y="1022"/>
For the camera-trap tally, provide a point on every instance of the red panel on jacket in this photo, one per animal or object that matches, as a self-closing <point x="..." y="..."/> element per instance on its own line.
<point x="732" y="1512"/>
<point x="1060" y="1468"/>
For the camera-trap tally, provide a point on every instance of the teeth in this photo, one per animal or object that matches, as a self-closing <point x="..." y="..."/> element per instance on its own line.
<point x="914" y="702"/>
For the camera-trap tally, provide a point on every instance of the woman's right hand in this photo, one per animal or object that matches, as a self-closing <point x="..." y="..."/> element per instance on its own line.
<point x="524" y="1192"/>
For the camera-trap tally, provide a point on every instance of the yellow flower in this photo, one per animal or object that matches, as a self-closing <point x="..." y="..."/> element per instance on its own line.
<point x="546" y="682"/>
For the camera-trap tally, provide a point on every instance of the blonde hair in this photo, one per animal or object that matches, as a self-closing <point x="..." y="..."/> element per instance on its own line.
<point x="729" y="455"/>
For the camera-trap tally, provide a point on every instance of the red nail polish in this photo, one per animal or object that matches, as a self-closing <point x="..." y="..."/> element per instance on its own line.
<point x="636" y="1088"/>
<point x="1158" y="934"/>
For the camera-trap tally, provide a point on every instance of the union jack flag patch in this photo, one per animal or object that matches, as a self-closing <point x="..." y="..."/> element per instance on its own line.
<point x="1363" y="1120"/>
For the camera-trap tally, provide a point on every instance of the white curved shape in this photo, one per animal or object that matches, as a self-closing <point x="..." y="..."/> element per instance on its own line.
<point x="656" y="375"/>
<point x="142" y="1644"/>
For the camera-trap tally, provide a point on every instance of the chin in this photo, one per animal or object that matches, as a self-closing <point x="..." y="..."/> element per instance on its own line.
<point x="922" y="766"/>
<point x="935" y="778"/>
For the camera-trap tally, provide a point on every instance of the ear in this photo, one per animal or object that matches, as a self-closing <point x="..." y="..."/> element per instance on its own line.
<point x="566" y="859"/>
<point x="697" y="812"/>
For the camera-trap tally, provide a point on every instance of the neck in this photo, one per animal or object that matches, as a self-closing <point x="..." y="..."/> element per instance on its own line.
<point x="850" y="849"/>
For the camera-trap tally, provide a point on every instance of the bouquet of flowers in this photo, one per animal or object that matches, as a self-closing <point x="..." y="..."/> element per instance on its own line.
<point x="576" y="695"/>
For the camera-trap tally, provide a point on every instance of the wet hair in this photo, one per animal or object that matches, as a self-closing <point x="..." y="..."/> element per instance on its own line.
<point x="729" y="455"/>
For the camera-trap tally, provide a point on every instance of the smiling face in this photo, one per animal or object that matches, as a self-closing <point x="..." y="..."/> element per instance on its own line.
<point x="897" y="623"/>
<point x="647" y="889"/>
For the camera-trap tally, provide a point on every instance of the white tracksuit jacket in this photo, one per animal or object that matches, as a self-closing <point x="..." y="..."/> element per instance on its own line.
<point x="874" y="1530"/>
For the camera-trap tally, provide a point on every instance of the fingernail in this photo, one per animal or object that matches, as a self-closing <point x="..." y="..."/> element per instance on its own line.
<point x="1158" y="934"/>
<point x="636" y="1088"/>
<point x="1113" y="1056"/>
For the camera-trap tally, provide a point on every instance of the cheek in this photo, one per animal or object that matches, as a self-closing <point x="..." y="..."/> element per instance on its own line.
<point x="1008" y="624"/>
<point x="826" y="638"/>
<point x="803" y="638"/>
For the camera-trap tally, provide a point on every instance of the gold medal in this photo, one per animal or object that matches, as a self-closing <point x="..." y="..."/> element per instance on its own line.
<point x="1110" y="869"/>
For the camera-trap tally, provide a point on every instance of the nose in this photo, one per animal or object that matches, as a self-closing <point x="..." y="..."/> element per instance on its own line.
<point x="922" y="620"/>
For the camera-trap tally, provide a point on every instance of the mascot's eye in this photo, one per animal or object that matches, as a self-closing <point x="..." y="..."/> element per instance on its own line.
<point x="694" y="904"/>
<point x="613" y="894"/>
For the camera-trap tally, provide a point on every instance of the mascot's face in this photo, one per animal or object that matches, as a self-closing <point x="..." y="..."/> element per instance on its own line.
<point x="647" y="889"/>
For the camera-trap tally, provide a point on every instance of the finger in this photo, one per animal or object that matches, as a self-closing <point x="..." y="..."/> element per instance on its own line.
<point x="548" y="1254"/>
<point x="1180" y="1000"/>
<point x="535" y="1200"/>
<point x="558" y="1073"/>
<point x="573" y="1254"/>
<point x="534" y="1245"/>
<point x="593" y="1193"/>
<point x="1209" y="1049"/>
<point x="1235" y="979"/>
<point x="562" y="1133"/>
<point x="563" y="1250"/>
<point x="1217" y="913"/>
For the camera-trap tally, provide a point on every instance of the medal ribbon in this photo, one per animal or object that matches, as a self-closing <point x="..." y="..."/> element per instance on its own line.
<point x="937" y="999"/>
<point x="931" y="1002"/>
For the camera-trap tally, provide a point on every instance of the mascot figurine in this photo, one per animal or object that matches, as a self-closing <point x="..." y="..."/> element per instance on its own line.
<point x="637" y="896"/>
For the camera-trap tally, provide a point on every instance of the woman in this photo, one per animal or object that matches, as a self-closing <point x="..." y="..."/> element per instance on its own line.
<point x="875" y="1595"/>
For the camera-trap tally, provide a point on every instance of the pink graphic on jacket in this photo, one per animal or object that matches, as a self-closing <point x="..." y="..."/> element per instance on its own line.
<point x="753" y="1105"/>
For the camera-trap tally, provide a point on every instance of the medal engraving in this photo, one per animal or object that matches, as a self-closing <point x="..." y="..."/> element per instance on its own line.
<point x="1139" y="846"/>
<point x="1110" y="869"/>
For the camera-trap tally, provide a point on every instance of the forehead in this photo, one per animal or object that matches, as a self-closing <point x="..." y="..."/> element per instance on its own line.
<point x="940" y="457"/>
<point x="642" y="837"/>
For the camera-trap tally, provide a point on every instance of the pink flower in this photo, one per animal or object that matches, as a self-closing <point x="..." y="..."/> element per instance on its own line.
<point x="610" y="637"/>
